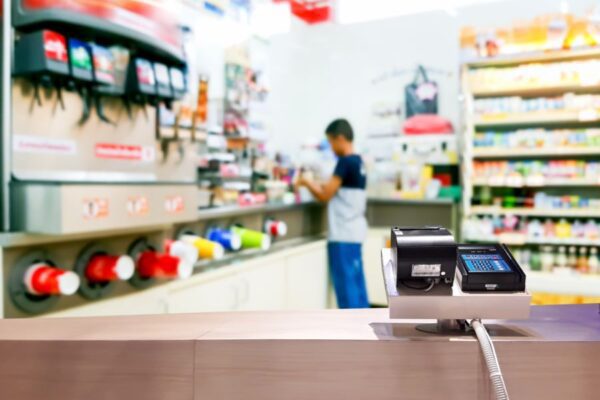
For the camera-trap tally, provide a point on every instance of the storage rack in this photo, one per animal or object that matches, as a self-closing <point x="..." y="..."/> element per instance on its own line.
<point x="580" y="287"/>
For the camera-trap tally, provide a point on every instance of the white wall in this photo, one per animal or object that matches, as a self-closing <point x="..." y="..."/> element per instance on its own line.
<point x="322" y="72"/>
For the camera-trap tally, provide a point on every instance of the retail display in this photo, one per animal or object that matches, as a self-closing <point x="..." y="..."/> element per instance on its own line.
<point x="524" y="77"/>
<point x="207" y="249"/>
<point x="556" y="140"/>
<point x="252" y="239"/>
<point x="226" y="237"/>
<point x="532" y="173"/>
<point x="275" y="228"/>
<point x="504" y="107"/>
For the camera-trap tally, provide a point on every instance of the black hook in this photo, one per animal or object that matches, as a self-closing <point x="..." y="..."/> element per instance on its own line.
<point x="100" y="110"/>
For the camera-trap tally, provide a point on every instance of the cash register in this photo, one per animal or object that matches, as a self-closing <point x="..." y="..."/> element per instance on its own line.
<point x="426" y="257"/>
<point x="427" y="276"/>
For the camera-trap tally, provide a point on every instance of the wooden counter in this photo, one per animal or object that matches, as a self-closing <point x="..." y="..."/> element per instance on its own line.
<point x="321" y="355"/>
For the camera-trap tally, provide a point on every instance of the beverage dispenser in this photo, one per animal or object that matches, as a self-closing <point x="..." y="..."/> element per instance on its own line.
<point x="90" y="147"/>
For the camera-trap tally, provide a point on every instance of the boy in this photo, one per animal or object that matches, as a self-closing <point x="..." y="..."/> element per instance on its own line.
<point x="345" y="192"/>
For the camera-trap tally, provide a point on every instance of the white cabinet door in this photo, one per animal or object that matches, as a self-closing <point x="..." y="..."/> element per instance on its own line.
<point x="206" y="295"/>
<point x="147" y="302"/>
<point x="307" y="278"/>
<point x="262" y="284"/>
<point x="376" y="239"/>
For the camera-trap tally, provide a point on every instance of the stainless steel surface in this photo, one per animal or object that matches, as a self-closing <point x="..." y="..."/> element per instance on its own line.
<point x="64" y="209"/>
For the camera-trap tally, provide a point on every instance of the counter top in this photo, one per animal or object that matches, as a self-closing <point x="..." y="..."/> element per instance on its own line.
<point x="547" y="323"/>
<point x="317" y="355"/>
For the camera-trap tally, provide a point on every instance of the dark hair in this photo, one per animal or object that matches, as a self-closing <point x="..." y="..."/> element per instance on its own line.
<point x="340" y="127"/>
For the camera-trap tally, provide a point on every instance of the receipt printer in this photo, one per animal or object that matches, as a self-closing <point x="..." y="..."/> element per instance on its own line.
<point x="423" y="256"/>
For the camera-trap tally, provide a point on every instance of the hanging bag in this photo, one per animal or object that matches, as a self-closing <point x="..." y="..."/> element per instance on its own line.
<point x="421" y="95"/>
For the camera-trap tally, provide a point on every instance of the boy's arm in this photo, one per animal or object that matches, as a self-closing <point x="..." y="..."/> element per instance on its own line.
<point x="323" y="192"/>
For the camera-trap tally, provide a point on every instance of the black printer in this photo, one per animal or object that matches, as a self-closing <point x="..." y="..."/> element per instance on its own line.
<point x="423" y="256"/>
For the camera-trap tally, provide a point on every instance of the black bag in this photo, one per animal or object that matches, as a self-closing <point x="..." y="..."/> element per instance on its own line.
<point x="421" y="96"/>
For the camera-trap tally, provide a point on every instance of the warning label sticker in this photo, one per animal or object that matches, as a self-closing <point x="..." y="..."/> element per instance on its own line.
<point x="125" y="152"/>
<point x="40" y="145"/>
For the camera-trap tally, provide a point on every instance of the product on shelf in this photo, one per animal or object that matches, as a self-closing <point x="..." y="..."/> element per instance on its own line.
<point x="559" y="259"/>
<point x="103" y="268"/>
<point x="276" y="228"/>
<point x="206" y="249"/>
<point x="227" y="238"/>
<point x="493" y="227"/>
<point x="538" y="139"/>
<point x="46" y="280"/>
<point x="536" y="75"/>
<point x="513" y="172"/>
<point x="252" y="239"/>
<point x="506" y="106"/>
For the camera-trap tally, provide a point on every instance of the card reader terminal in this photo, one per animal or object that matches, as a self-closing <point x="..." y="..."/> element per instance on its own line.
<point x="489" y="268"/>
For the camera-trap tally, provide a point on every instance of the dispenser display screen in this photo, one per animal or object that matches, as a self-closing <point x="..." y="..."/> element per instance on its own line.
<point x="80" y="55"/>
<point x="104" y="64"/>
<point x="177" y="79"/>
<point x="145" y="72"/>
<point x="492" y="262"/>
<point x="55" y="46"/>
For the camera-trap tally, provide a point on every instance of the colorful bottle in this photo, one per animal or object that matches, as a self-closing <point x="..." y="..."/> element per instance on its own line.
<point x="593" y="263"/>
<point x="563" y="229"/>
<point x="561" y="257"/>
<point x="582" y="260"/>
<point x="547" y="259"/>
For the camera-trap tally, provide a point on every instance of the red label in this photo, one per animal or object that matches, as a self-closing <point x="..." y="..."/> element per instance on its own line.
<point x="174" y="204"/>
<point x="55" y="46"/>
<point x="95" y="208"/>
<point x="137" y="205"/>
<point x="124" y="152"/>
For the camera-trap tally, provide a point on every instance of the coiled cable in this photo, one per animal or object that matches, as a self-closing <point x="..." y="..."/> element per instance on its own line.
<point x="491" y="359"/>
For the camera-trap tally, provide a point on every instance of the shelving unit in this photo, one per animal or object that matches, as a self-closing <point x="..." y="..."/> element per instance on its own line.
<point x="534" y="212"/>
<point x="503" y="122"/>
<point x="564" y="284"/>
<point x="542" y="119"/>
<point x="519" y="239"/>
<point x="535" y="182"/>
<point x="504" y="153"/>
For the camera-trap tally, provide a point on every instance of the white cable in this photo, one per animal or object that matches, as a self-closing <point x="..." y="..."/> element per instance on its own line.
<point x="491" y="359"/>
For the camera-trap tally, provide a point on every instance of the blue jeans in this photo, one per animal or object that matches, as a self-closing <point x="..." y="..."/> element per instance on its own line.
<point x="346" y="266"/>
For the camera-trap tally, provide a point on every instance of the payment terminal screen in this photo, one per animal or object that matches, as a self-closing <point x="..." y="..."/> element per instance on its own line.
<point x="485" y="263"/>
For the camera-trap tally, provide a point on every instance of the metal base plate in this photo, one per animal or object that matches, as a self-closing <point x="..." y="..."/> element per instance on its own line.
<point x="441" y="303"/>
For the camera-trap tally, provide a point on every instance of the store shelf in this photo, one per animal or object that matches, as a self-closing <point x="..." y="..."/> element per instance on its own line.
<point x="519" y="239"/>
<point x="538" y="118"/>
<point x="534" y="57"/>
<point x="499" y="152"/>
<point x="536" y="212"/>
<point x="532" y="91"/>
<point x="536" y="182"/>
<point x="567" y="284"/>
